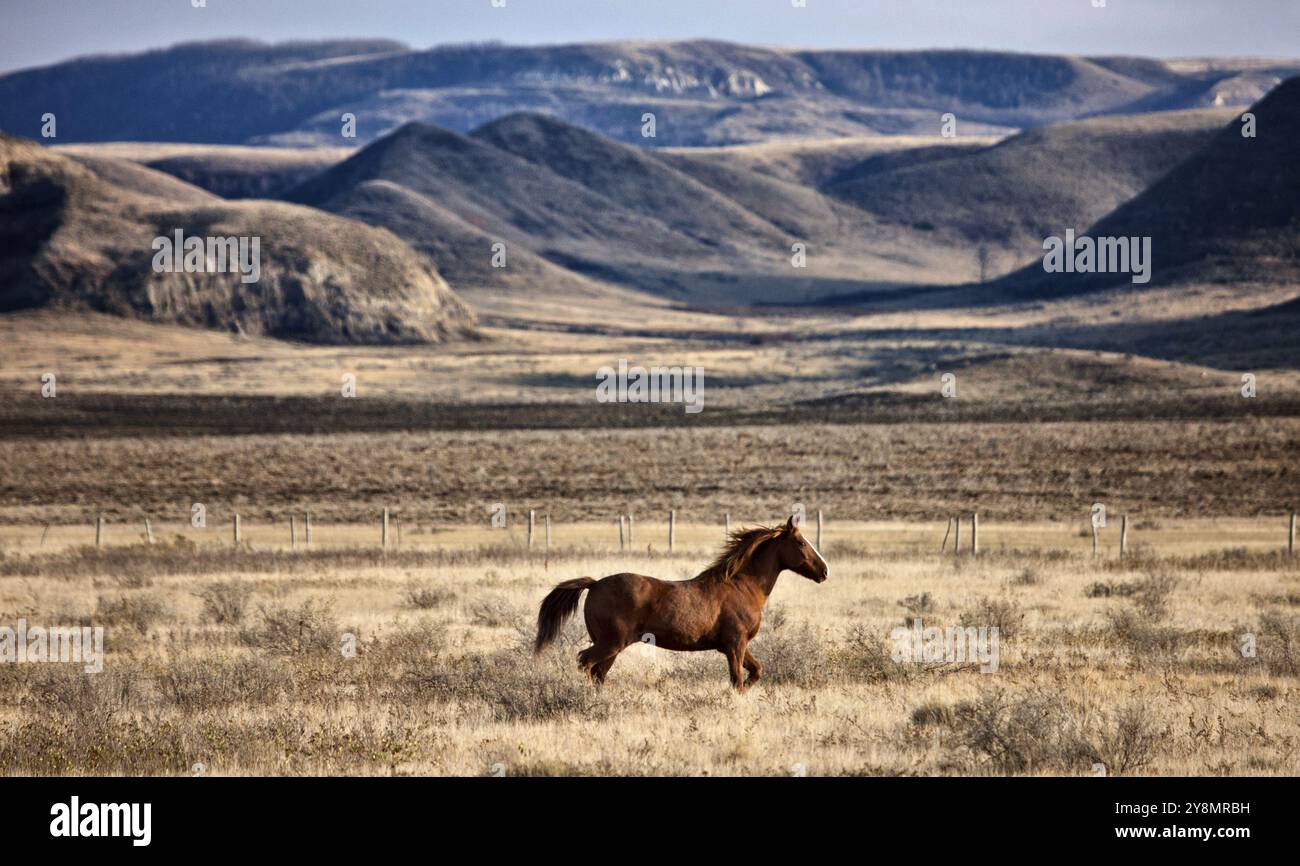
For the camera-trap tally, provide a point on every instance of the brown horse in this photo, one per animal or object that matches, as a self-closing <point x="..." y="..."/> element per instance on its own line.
<point x="719" y="609"/>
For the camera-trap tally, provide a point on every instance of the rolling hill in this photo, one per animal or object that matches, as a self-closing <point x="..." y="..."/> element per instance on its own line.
<point x="1011" y="195"/>
<point x="1230" y="212"/>
<point x="638" y="223"/>
<point x="80" y="236"/>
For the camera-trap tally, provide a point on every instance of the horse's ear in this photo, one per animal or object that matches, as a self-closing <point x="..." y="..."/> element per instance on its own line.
<point x="790" y="524"/>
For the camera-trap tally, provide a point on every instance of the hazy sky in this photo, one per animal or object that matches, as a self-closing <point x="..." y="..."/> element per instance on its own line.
<point x="36" y="32"/>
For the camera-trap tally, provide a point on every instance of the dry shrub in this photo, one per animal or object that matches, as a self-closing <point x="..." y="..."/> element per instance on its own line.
<point x="917" y="607"/>
<point x="1043" y="731"/>
<point x="1108" y="589"/>
<point x="429" y="597"/>
<point x="514" y="688"/>
<point x="1151" y="593"/>
<point x="933" y="713"/>
<point x="70" y="691"/>
<point x="1026" y="577"/>
<point x="1141" y="635"/>
<point x="866" y="655"/>
<point x="134" y="580"/>
<point x="1001" y="613"/>
<point x="78" y="745"/>
<point x="309" y="627"/>
<point x="290" y="743"/>
<point x="413" y="645"/>
<point x="194" y="685"/>
<point x="775" y="616"/>
<point x="225" y="602"/>
<point x="497" y="613"/>
<point x="793" y="654"/>
<point x="1279" y="643"/>
<point x="1129" y="744"/>
<point x="1016" y="735"/>
<point x="140" y="611"/>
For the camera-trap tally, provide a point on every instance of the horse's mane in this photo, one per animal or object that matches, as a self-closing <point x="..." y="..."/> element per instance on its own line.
<point x="741" y="547"/>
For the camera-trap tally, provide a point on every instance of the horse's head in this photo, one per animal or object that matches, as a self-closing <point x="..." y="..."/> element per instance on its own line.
<point x="796" y="554"/>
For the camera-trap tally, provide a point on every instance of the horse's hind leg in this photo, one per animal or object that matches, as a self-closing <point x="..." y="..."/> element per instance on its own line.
<point x="595" y="661"/>
<point x="602" y="667"/>
<point x="588" y="658"/>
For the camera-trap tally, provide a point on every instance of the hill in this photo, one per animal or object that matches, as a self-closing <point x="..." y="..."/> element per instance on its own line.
<point x="1230" y="212"/>
<point x="701" y="92"/>
<point x="1011" y="195"/>
<point x="640" y="224"/>
<point x="230" y="171"/>
<point x="81" y="236"/>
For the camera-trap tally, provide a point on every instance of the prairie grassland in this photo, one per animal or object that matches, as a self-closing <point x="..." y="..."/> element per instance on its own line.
<point x="227" y="660"/>
<point x="1031" y="472"/>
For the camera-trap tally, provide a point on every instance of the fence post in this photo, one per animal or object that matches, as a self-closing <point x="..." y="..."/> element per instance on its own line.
<point x="672" y="528"/>
<point x="1123" y="535"/>
<point x="548" y="535"/>
<point x="532" y="515"/>
<point x="974" y="533"/>
<point x="956" y="537"/>
<point x="148" y="531"/>
<point x="631" y="538"/>
<point x="307" y="519"/>
<point x="1290" y="536"/>
<point x="819" y="529"/>
<point x="99" y="531"/>
<point x="234" y="526"/>
<point x="947" y="531"/>
<point x="383" y="531"/>
<point x="622" y="542"/>
<point x="1093" y="524"/>
<point x="726" y="523"/>
<point x="293" y="532"/>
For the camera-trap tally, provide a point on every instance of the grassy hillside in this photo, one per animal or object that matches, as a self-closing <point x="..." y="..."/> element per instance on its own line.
<point x="640" y="224"/>
<point x="81" y="236"/>
<point x="1011" y="195"/>
<point x="1230" y="212"/>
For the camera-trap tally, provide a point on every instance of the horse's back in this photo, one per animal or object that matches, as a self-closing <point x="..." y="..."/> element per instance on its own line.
<point x="630" y="605"/>
<point x="638" y="588"/>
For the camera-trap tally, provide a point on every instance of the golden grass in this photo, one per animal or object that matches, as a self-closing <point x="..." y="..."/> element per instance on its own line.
<point x="443" y="683"/>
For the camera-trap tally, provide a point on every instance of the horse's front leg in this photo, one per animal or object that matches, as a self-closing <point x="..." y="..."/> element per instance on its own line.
<point x="755" y="668"/>
<point x="735" y="663"/>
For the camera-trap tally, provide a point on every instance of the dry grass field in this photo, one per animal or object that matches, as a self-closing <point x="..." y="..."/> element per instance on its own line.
<point x="230" y="660"/>
<point x="223" y="660"/>
<point x="1022" y="471"/>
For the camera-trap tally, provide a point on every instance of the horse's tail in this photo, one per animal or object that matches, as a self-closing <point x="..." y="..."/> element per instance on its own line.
<point x="556" y="609"/>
